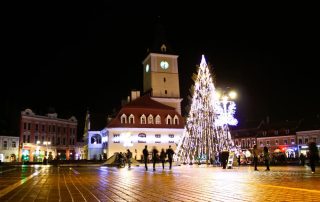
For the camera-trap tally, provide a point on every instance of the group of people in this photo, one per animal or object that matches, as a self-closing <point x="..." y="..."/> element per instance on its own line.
<point x="155" y="156"/>
<point x="312" y="155"/>
<point x="266" y="157"/>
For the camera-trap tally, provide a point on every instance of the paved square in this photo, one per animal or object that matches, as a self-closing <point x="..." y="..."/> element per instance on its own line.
<point x="182" y="183"/>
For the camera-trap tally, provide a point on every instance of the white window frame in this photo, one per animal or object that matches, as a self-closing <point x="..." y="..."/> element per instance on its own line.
<point x="150" y="119"/>
<point x="123" y="117"/>
<point x="158" y="119"/>
<point x="131" y="117"/>
<point x="143" y="119"/>
<point x="167" y="120"/>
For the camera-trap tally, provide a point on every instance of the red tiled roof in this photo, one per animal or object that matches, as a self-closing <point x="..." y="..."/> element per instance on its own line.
<point x="145" y="105"/>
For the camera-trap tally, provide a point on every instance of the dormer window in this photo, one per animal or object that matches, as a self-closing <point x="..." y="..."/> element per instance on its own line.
<point x="158" y="119"/>
<point x="287" y="131"/>
<point x="169" y="120"/>
<point x="131" y="119"/>
<point x="150" y="119"/>
<point x="123" y="118"/>
<point x="143" y="119"/>
<point x="176" y="120"/>
<point x="264" y="133"/>
<point x="276" y="132"/>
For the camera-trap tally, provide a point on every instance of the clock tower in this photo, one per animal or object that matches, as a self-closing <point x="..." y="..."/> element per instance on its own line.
<point x="161" y="76"/>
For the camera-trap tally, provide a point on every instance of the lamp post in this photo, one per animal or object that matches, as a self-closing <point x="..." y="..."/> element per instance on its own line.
<point x="226" y="108"/>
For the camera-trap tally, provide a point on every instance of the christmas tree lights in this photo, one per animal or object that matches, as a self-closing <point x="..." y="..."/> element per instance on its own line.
<point x="206" y="132"/>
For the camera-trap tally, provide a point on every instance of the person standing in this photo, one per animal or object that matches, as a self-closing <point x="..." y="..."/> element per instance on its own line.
<point x="163" y="156"/>
<point x="224" y="158"/>
<point x="255" y="157"/>
<point x="170" y="154"/>
<point x="302" y="159"/>
<point x="154" y="157"/>
<point x="145" y="156"/>
<point x="129" y="156"/>
<point x="314" y="156"/>
<point x="239" y="160"/>
<point x="266" y="156"/>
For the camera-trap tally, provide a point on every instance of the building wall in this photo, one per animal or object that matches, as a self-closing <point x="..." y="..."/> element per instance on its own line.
<point x="121" y="139"/>
<point x="39" y="134"/>
<point x="9" y="148"/>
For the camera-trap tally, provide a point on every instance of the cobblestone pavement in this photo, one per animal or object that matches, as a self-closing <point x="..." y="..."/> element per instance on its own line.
<point x="183" y="183"/>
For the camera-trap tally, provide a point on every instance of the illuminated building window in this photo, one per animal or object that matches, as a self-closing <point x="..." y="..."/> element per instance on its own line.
<point x="143" y="119"/>
<point x="150" y="119"/>
<point x="276" y="132"/>
<point x="13" y="144"/>
<point x="142" y="138"/>
<point x="237" y="142"/>
<point x="116" y="138"/>
<point x="157" y="135"/>
<point x="123" y="118"/>
<point x="176" y="120"/>
<point x="165" y="91"/>
<point x="96" y="139"/>
<point x="314" y="139"/>
<point x="285" y="142"/>
<point x="169" y="120"/>
<point x="158" y="119"/>
<point x="5" y="144"/>
<point x="300" y="141"/>
<point x="306" y="140"/>
<point x="292" y="141"/>
<point x="268" y="142"/>
<point x="261" y="144"/>
<point x="131" y="119"/>
<point x="277" y="142"/>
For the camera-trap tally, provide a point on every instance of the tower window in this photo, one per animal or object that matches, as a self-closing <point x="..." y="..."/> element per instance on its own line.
<point x="164" y="79"/>
<point x="165" y="92"/>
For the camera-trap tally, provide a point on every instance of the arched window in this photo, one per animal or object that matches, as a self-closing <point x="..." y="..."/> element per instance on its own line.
<point x="123" y="118"/>
<point x="143" y="119"/>
<point x="169" y="119"/>
<point x="176" y="120"/>
<point x="150" y="119"/>
<point x="158" y="119"/>
<point x="131" y="119"/>
<point x="96" y="139"/>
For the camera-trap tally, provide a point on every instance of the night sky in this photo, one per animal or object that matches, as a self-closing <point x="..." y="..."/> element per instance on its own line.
<point x="70" y="57"/>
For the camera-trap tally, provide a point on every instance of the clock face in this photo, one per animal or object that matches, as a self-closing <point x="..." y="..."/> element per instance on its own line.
<point x="147" y="68"/>
<point x="164" y="64"/>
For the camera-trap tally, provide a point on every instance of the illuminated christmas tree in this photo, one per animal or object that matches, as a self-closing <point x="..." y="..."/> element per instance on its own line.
<point x="206" y="132"/>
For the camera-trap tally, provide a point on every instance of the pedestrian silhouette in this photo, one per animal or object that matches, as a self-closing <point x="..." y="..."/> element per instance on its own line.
<point x="224" y="159"/>
<point x="145" y="157"/>
<point x="129" y="156"/>
<point x="266" y="156"/>
<point x="302" y="159"/>
<point x="154" y="157"/>
<point x="255" y="157"/>
<point x="170" y="154"/>
<point x="314" y="156"/>
<point x="163" y="156"/>
<point x="239" y="160"/>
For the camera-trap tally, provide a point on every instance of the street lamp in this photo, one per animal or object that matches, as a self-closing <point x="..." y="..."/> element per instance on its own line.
<point x="225" y="108"/>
